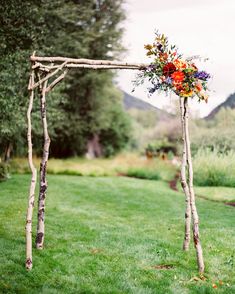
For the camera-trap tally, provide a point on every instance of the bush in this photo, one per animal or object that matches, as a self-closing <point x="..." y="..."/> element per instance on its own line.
<point x="143" y="173"/>
<point x="212" y="168"/>
<point x="159" y="147"/>
<point x="216" y="134"/>
<point x="4" y="171"/>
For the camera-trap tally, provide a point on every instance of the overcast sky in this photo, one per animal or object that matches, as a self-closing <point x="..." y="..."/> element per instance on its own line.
<point x="197" y="27"/>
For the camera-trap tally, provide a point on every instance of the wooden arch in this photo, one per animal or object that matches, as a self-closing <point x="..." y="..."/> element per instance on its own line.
<point x="46" y="73"/>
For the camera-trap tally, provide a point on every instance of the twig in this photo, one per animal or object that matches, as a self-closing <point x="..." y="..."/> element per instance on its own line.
<point x="48" y="76"/>
<point x="56" y="81"/>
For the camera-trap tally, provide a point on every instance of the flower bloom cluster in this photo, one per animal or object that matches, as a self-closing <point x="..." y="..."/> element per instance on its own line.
<point x="170" y="72"/>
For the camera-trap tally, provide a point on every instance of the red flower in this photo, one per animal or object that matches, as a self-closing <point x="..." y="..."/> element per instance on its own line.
<point x="168" y="69"/>
<point x="178" y="76"/>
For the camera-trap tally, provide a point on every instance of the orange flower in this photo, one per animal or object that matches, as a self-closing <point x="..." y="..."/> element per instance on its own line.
<point x="180" y="64"/>
<point x="163" y="56"/>
<point x="198" y="86"/>
<point x="178" y="86"/>
<point x="178" y="76"/>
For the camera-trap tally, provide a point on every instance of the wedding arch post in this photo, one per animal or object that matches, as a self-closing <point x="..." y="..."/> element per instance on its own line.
<point x="184" y="182"/>
<point x="187" y="185"/>
<point x="31" y="198"/>
<point x="46" y="73"/>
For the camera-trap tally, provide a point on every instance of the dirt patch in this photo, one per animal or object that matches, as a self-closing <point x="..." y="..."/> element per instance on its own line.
<point x="163" y="266"/>
<point x="230" y="203"/>
<point x="173" y="183"/>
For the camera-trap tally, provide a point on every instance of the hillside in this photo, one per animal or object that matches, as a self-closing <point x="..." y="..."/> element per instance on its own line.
<point x="130" y="102"/>
<point x="228" y="103"/>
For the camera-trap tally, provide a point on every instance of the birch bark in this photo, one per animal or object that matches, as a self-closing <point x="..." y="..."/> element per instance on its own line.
<point x="29" y="215"/>
<point x="195" y="217"/>
<point x="184" y="183"/>
<point x="43" y="167"/>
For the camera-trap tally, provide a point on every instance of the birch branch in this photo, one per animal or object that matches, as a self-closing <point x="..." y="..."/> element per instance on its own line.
<point x="43" y="168"/>
<point x="46" y="68"/>
<point x="184" y="183"/>
<point x="56" y="81"/>
<point x="86" y="61"/>
<point x="101" y="66"/>
<point x="195" y="217"/>
<point x="29" y="215"/>
<point x="48" y="76"/>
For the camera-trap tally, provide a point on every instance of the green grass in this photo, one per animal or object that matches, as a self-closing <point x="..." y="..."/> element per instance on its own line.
<point x="222" y="194"/>
<point x="108" y="234"/>
<point x="214" y="169"/>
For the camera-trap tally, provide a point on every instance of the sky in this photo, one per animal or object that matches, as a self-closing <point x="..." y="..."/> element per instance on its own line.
<point x="197" y="27"/>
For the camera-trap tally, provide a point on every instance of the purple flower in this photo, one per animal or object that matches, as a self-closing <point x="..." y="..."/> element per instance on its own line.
<point x="168" y="80"/>
<point x="151" y="67"/>
<point x="154" y="88"/>
<point x="202" y="75"/>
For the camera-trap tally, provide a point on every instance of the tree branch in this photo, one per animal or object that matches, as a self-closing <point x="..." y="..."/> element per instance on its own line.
<point x="48" y="76"/>
<point x="56" y="81"/>
<point x="86" y="61"/>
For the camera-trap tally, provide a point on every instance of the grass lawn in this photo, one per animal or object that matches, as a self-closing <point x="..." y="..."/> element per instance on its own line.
<point x="224" y="194"/>
<point x="109" y="234"/>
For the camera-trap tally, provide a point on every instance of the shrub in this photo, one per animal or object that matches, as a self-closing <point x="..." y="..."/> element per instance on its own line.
<point x="4" y="171"/>
<point x="212" y="168"/>
<point x="143" y="173"/>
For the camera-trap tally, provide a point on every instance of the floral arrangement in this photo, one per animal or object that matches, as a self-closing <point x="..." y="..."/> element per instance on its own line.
<point x="170" y="72"/>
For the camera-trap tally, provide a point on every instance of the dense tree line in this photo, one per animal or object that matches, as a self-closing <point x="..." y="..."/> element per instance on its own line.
<point x="84" y="108"/>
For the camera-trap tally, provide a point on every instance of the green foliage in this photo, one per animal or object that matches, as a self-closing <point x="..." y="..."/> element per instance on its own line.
<point x="146" y="118"/>
<point x="76" y="111"/>
<point x="143" y="173"/>
<point x="4" y="171"/>
<point x="121" y="164"/>
<point x="216" y="134"/>
<point x="212" y="168"/>
<point x="107" y="235"/>
<point x="161" y="146"/>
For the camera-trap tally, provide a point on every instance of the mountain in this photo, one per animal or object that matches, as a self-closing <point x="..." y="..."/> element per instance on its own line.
<point x="131" y="102"/>
<point x="228" y="103"/>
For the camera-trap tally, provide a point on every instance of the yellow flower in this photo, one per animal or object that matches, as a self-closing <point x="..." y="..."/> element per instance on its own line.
<point x="186" y="94"/>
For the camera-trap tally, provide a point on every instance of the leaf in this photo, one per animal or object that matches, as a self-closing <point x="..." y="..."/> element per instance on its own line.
<point x="194" y="279"/>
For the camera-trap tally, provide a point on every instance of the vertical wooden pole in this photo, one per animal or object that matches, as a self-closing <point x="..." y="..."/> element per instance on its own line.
<point x="195" y="217"/>
<point x="29" y="215"/>
<point x="43" y="167"/>
<point x="184" y="183"/>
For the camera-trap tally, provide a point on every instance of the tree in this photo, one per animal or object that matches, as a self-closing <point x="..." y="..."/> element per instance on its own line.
<point x="58" y="27"/>
<point x="87" y="108"/>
